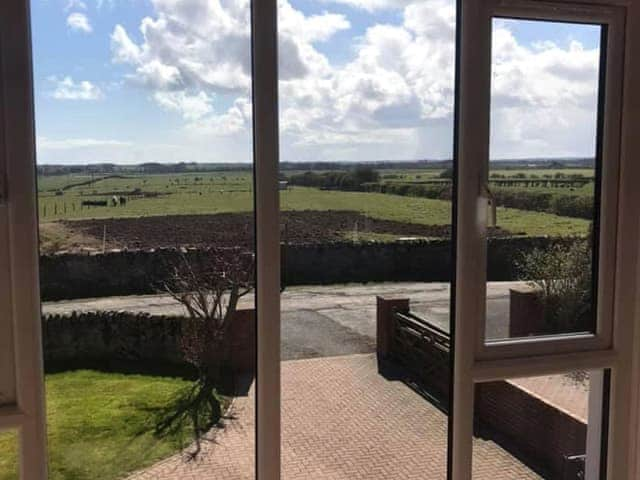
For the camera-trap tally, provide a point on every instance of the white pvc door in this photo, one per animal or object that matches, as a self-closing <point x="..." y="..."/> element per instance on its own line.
<point x="604" y="345"/>
<point x="21" y="380"/>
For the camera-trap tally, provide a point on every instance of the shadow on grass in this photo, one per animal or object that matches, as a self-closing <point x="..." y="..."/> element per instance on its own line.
<point x="198" y="410"/>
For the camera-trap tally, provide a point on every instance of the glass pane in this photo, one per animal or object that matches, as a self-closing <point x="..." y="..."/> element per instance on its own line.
<point x="543" y="180"/>
<point x="366" y="117"/>
<point x="9" y="455"/>
<point x="546" y="427"/>
<point x="145" y="181"/>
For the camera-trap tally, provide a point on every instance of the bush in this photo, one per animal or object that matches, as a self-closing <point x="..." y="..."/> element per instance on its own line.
<point x="436" y="191"/>
<point x="345" y="180"/>
<point x="572" y="206"/>
<point x="562" y="275"/>
<point x="447" y="173"/>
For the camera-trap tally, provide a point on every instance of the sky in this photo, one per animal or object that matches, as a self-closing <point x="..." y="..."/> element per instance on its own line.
<point x="132" y="81"/>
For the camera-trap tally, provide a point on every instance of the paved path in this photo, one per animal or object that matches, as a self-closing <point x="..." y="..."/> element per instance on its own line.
<point x="341" y="420"/>
<point x="319" y="321"/>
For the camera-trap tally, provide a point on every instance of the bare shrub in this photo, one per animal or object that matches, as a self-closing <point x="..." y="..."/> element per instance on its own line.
<point x="209" y="289"/>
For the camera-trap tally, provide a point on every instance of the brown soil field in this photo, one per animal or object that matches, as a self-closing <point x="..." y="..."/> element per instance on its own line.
<point x="236" y="229"/>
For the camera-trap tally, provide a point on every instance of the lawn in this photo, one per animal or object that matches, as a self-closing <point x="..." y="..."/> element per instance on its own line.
<point x="100" y="425"/>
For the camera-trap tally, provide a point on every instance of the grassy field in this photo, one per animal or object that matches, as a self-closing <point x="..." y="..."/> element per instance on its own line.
<point x="100" y="425"/>
<point x="231" y="192"/>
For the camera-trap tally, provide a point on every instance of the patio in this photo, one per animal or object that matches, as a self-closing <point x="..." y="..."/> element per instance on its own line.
<point x="341" y="420"/>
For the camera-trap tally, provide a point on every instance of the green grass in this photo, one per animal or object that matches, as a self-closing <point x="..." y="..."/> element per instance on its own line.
<point x="8" y="455"/>
<point x="221" y="192"/>
<point x="377" y="205"/>
<point x="54" y="182"/>
<point x="99" y="425"/>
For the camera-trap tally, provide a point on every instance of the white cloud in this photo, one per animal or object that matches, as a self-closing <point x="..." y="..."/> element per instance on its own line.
<point x="401" y="77"/>
<point x="205" y="44"/>
<point x="392" y="97"/>
<point x="373" y="5"/>
<point x="79" y="22"/>
<point x="192" y="107"/>
<point x="314" y="28"/>
<point x="68" y="89"/>
<point x="237" y="119"/>
<point x="194" y="45"/>
<point x="544" y="98"/>
<point x="45" y="143"/>
<point x="123" y="50"/>
<point x="75" y="4"/>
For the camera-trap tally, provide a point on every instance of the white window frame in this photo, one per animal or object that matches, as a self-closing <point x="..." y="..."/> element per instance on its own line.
<point x="20" y="294"/>
<point x="611" y="346"/>
<point x="264" y="37"/>
<point x="620" y="351"/>
<point x="475" y="165"/>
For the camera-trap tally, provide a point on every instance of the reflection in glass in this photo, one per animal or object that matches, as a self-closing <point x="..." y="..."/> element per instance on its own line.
<point x="543" y="179"/>
<point x="546" y="427"/>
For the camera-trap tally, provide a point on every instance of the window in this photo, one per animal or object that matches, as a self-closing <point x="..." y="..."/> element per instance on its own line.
<point x="520" y="360"/>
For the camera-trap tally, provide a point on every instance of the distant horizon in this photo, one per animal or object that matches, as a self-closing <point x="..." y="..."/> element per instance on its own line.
<point x="314" y="162"/>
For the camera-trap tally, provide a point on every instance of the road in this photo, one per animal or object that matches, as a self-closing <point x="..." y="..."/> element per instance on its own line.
<point x="325" y="320"/>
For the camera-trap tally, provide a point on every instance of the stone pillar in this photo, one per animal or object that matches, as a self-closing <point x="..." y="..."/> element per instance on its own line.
<point x="243" y="341"/>
<point x="384" y="322"/>
<point x="526" y="312"/>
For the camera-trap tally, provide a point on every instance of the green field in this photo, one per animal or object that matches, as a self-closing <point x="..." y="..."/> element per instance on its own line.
<point x="223" y="192"/>
<point x="100" y="425"/>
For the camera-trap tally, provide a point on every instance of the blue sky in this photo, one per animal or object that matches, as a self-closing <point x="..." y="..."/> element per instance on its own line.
<point x="129" y="81"/>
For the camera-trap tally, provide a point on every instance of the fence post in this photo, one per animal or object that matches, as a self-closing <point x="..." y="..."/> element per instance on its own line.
<point x="384" y="322"/>
<point x="526" y="312"/>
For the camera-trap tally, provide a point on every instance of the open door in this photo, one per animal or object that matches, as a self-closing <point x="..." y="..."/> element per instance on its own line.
<point x="594" y="341"/>
<point x="21" y="378"/>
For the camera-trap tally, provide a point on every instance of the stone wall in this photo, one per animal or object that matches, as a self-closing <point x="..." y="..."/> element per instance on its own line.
<point x="103" y="338"/>
<point x="117" y="273"/>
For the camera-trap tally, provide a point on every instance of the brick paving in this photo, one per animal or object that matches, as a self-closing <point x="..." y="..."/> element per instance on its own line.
<point x="563" y="392"/>
<point x="341" y="420"/>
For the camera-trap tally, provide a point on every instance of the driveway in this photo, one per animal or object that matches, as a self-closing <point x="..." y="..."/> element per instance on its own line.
<point x="341" y="420"/>
<point x="331" y="320"/>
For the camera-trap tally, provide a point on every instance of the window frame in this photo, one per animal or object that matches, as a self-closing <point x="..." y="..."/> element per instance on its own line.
<point x="477" y="166"/>
<point x="621" y="351"/>
<point x="611" y="346"/>
<point x="264" y="57"/>
<point x="19" y="225"/>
